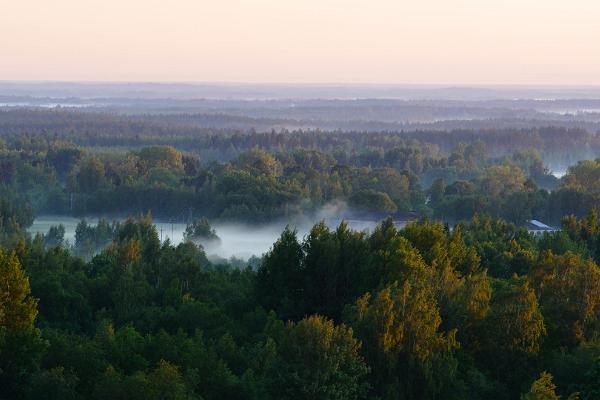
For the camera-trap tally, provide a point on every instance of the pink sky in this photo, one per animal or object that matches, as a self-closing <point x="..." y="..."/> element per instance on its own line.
<point x="367" y="41"/>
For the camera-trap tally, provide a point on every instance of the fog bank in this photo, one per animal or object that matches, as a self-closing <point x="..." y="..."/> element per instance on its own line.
<point x="238" y="240"/>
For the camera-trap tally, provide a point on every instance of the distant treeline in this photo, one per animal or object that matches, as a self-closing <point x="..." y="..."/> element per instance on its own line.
<point x="557" y="145"/>
<point x="78" y="163"/>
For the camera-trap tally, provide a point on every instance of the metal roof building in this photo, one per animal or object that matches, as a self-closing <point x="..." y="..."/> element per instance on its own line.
<point x="536" y="227"/>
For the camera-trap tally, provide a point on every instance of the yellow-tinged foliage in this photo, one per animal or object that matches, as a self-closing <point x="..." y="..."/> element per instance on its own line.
<point x="402" y="319"/>
<point x="17" y="308"/>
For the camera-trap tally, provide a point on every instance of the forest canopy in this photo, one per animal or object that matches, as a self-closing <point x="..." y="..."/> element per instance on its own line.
<point x="485" y="310"/>
<point x="450" y="296"/>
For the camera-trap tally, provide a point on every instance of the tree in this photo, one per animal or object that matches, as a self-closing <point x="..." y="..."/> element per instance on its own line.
<point x="542" y="389"/>
<point x="584" y="175"/>
<point x="91" y="175"/>
<point x="167" y="383"/>
<point x="21" y="346"/>
<point x="373" y="201"/>
<point x="515" y="323"/>
<point x="322" y="272"/>
<point x="63" y="158"/>
<point x="591" y="388"/>
<point x="395" y="184"/>
<point x="568" y="287"/>
<point x="161" y="177"/>
<point x="400" y="331"/>
<point x="53" y="384"/>
<point x="502" y="179"/>
<point x="436" y="191"/>
<point x="17" y="308"/>
<point x="512" y="332"/>
<point x="55" y="236"/>
<point x="259" y="162"/>
<point x="161" y="157"/>
<point x="280" y="277"/>
<point x="200" y="231"/>
<point x="320" y="361"/>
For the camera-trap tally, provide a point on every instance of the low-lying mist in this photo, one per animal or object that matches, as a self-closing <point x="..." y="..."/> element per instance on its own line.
<point x="239" y="240"/>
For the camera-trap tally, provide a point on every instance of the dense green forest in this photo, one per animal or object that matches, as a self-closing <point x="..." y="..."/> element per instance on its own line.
<point x="464" y="303"/>
<point x="482" y="311"/>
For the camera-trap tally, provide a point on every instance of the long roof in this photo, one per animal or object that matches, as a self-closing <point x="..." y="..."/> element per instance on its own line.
<point x="540" y="225"/>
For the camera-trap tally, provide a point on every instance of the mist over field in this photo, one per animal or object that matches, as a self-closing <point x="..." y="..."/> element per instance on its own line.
<point x="239" y="240"/>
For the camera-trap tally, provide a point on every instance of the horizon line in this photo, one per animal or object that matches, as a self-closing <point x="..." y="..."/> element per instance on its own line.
<point x="293" y="83"/>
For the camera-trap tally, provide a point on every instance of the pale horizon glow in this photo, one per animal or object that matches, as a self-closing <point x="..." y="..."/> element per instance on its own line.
<point x="526" y="42"/>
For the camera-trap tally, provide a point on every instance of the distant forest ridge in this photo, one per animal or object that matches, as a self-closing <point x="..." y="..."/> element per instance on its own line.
<point x="249" y="91"/>
<point x="222" y="137"/>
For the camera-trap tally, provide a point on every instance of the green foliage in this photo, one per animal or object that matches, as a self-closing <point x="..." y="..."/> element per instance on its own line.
<point x="201" y="231"/>
<point x="318" y="360"/>
<point x="400" y="331"/>
<point x="460" y="311"/>
<point x="17" y="308"/>
<point x="16" y="214"/>
<point x="590" y="389"/>
<point x="542" y="389"/>
<point x="91" y="239"/>
<point x="55" y="236"/>
<point x="422" y="319"/>
<point x="20" y="344"/>
<point x="63" y="158"/>
<point x="53" y="384"/>
<point x="504" y="249"/>
<point x="567" y="287"/>
<point x="512" y="333"/>
<point x="280" y="277"/>
<point x="373" y="201"/>
<point x="515" y="323"/>
<point x="259" y="162"/>
<point x="166" y="157"/>
<point x="91" y="175"/>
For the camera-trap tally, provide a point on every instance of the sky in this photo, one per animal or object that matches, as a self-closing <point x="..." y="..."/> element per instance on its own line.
<point x="533" y="42"/>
